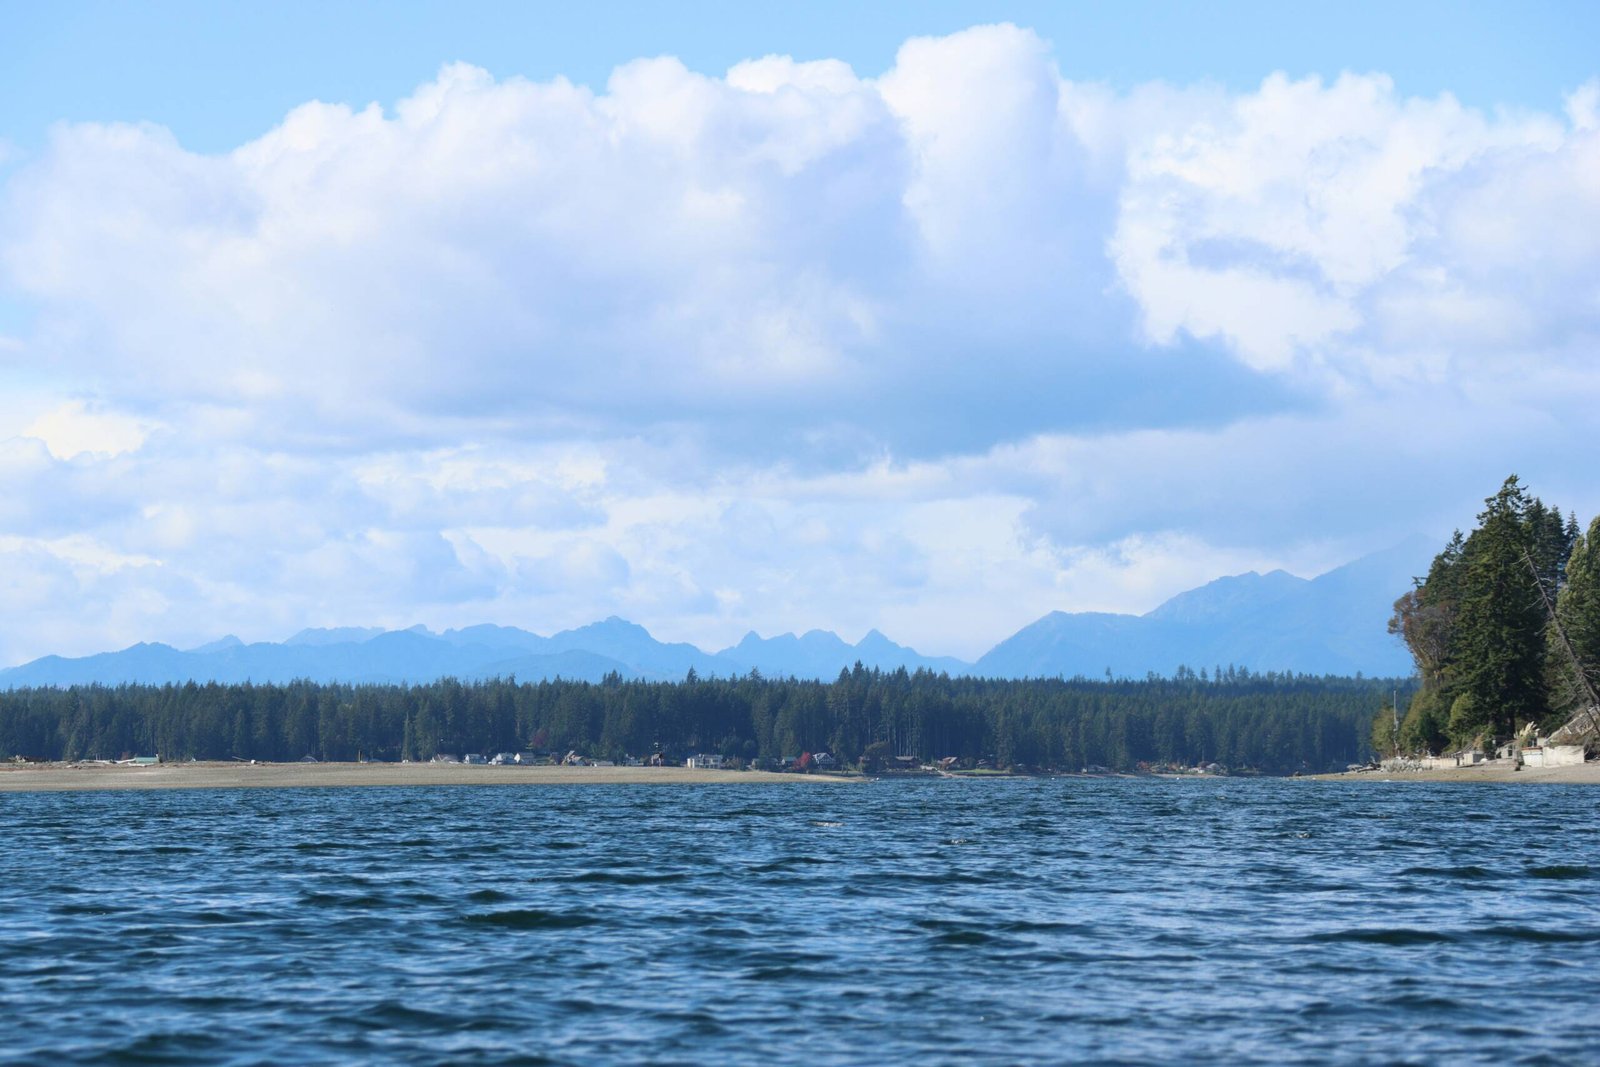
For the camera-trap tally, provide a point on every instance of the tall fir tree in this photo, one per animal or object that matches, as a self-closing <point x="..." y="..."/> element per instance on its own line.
<point x="1502" y="618"/>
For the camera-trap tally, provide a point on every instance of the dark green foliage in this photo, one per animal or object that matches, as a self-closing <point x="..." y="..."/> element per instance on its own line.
<point x="1426" y="727"/>
<point x="1578" y="608"/>
<point x="1273" y="723"/>
<point x="1385" y="738"/>
<point x="1476" y="626"/>
<point x="1501" y="622"/>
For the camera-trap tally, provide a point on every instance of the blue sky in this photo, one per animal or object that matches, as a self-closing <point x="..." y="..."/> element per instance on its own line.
<point x="218" y="74"/>
<point x="930" y="318"/>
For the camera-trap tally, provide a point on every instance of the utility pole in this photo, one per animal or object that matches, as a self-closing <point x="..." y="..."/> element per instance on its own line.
<point x="1394" y="706"/>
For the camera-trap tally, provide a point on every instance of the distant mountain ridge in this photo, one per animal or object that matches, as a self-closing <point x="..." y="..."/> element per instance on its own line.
<point x="1332" y="624"/>
<point x="1336" y="623"/>
<point x="588" y="653"/>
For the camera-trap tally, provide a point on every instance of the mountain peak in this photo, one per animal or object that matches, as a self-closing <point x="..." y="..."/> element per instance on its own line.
<point x="618" y="624"/>
<point x="317" y="636"/>
<point x="221" y="644"/>
<point x="1225" y="596"/>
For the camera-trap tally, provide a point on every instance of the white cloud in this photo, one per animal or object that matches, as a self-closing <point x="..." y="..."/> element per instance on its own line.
<point x="1309" y="223"/>
<point x="1583" y="106"/>
<point x="936" y="351"/>
<point x="76" y="428"/>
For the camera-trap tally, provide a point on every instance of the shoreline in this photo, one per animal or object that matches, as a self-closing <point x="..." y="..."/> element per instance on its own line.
<point x="103" y="777"/>
<point x="100" y="777"/>
<point x="1495" y="772"/>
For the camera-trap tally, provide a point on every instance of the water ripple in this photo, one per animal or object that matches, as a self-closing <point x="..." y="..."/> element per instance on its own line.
<point x="1105" y="920"/>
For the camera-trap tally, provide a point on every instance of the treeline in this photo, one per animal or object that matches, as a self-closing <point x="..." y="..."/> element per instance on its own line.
<point x="1491" y="653"/>
<point x="1272" y="723"/>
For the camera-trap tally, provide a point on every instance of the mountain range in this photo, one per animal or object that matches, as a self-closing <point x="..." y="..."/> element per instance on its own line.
<point x="1332" y="624"/>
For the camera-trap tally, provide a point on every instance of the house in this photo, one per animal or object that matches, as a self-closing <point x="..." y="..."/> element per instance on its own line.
<point x="474" y="758"/>
<point x="823" y="761"/>
<point x="705" y="762"/>
<point x="1548" y="755"/>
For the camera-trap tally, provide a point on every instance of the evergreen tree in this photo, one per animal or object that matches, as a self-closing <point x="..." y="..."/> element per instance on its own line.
<point x="1501" y="619"/>
<point x="1578" y="609"/>
<point x="1274" y="723"/>
<point x="1477" y="624"/>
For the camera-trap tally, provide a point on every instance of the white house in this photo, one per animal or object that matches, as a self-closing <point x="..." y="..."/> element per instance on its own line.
<point x="1550" y="755"/>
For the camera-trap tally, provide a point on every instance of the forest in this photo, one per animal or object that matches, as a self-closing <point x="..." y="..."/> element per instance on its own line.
<point x="1504" y="629"/>
<point x="1266" y="723"/>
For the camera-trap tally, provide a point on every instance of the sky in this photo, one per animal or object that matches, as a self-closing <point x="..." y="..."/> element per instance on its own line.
<point x="927" y="318"/>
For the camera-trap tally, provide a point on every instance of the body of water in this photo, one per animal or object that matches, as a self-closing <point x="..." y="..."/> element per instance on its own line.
<point x="944" y="921"/>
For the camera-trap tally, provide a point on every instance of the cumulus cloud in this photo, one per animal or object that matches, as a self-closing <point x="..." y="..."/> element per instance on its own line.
<point x="936" y="350"/>
<point x="787" y="246"/>
<point x="1313" y="225"/>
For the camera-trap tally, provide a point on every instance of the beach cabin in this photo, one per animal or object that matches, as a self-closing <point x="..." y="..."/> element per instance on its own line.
<point x="1553" y="756"/>
<point x="706" y="762"/>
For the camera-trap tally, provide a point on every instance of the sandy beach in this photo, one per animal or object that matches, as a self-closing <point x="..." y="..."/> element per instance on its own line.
<point x="54" y="777"/>
<point x="1496" y="771"/>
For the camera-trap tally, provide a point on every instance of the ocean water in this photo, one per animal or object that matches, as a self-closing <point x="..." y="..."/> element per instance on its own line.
<point x="1043" y="921"/>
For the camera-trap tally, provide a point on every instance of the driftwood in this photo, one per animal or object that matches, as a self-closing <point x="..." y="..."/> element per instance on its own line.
<point x="1581" y="729"/>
